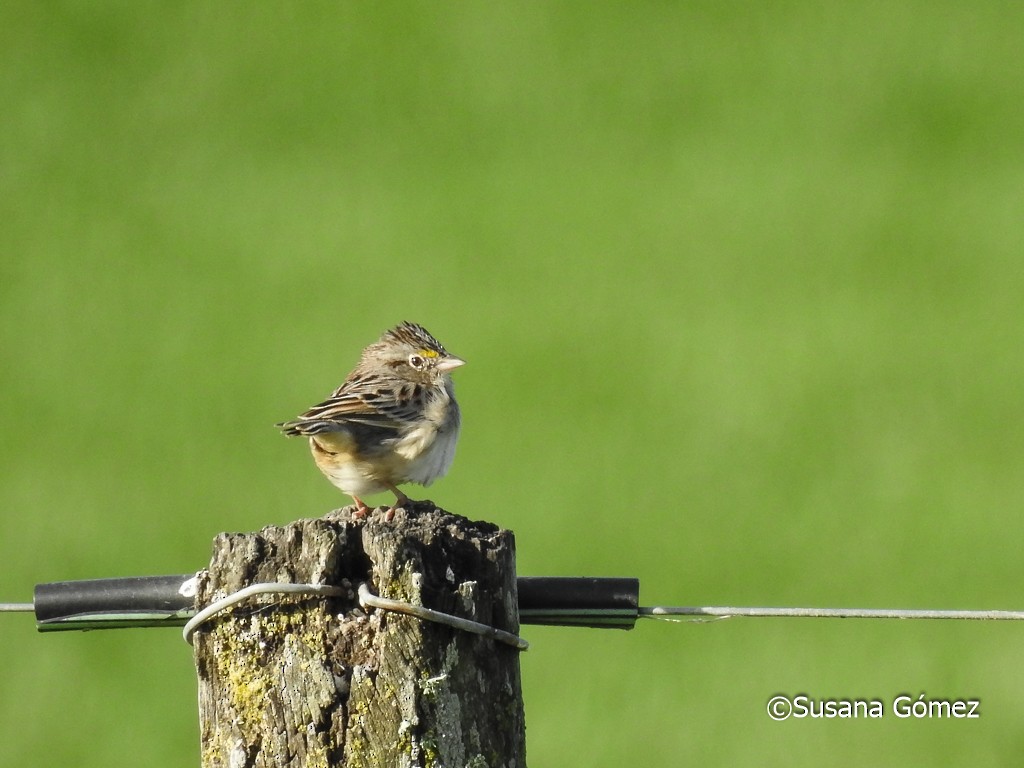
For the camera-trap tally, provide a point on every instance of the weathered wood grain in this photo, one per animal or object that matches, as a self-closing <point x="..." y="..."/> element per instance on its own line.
<point x="287" y="681"/>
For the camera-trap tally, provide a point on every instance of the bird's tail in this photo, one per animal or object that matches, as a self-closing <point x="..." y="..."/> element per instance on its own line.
<point x="298" y="427"/>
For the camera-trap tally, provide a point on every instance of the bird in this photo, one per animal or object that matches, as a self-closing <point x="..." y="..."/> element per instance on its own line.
<point x="394" y="419"/>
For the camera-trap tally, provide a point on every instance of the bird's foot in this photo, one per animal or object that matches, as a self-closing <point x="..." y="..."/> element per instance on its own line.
<point x="361" y="509"/>
<point x="400" y="501"/>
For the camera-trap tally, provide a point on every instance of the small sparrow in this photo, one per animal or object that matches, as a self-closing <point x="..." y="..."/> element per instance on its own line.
<point x="394" y="419"/>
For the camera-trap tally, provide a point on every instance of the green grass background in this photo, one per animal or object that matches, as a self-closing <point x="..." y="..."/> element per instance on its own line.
<point x="740" y="289"/>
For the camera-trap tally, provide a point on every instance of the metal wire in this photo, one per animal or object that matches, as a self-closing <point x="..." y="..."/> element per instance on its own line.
<point x="255" y="589"/>
<point x="366" y="599"/>
<point x="17" y="607"/>
<point x="662" y="611"/>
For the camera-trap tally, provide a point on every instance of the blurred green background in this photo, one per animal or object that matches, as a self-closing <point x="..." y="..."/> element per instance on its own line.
<point x="740" y="287"/>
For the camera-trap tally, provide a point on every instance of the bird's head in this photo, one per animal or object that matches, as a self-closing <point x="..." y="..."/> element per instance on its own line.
<point x="411" y="353"/>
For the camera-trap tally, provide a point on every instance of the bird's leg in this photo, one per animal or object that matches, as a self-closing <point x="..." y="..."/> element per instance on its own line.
<point x="361" y="508"/>
<point x="400" y="501"/>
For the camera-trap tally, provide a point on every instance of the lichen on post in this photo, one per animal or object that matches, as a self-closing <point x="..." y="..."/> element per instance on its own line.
<point x="318" y="681"/>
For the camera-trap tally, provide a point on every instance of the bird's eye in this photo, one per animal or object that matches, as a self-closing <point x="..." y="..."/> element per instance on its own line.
<point x="416" y="361"/>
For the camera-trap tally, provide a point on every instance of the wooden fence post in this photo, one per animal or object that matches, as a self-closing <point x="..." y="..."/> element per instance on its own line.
<point x="317" y="681"/>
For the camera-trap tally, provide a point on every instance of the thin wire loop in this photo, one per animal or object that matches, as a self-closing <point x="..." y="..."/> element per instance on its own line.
<point x="218" y="606"/>
<point x="368" y="599"/>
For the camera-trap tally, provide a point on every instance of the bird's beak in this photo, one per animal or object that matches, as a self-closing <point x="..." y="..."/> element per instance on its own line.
<point x="450" y="363"/>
